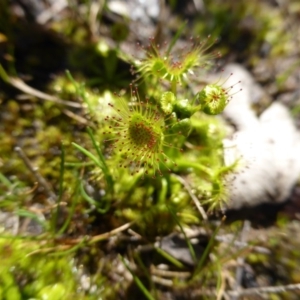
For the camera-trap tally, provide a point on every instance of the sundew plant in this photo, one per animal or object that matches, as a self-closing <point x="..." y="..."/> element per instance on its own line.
<point x="164" y="131"/>
<point x="156" y="142"/>
<point x="147" y="159"/>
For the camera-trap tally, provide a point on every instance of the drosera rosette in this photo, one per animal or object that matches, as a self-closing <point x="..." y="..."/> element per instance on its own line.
<point x="174" y="66"/>
<point x="214" y="97"/>
<point x="139" y="136"/>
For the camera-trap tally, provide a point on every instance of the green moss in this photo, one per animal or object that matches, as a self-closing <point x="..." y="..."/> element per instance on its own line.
<point x="25" y="276"/>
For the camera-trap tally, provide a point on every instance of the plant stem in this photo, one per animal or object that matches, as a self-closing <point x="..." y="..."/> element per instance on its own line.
<point x="174" y="87"/>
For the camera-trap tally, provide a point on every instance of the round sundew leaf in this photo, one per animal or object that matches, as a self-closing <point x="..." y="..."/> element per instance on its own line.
<point x="213" y="99"/>
<point x="137" y="136"/>
<point x="144" y="132"/>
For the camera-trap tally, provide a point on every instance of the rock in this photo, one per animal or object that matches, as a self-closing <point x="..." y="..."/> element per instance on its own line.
<point x="267" y="148"/>
<point x="177" y="247"/>
<point x="9" y="222"/>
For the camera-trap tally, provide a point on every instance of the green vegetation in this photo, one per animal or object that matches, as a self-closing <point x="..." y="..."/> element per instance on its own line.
<point x="101" y="164"/>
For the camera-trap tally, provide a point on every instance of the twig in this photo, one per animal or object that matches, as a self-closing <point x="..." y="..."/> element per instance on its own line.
<point x="241" y="260"/>
<point x="21" y="85"/>
<point x="265" y="289"/>
<point x="194" y="198"/>
<point x="40" y="179"/>
<point x="250" y="291"/>
<point x="107" y="235"/>
<point x="52" y="11"/>
<point x="169" y="274"/>
<point x="228" y="239"/>
<point x="240" y="244"/>
<point x="221" y="290"/>
<point x="95" y="11"/>
<point x="82" y="241"/>
<point x="162" y="281"/>
<point x="102" y="236"/>
<point x="75" y="117"/>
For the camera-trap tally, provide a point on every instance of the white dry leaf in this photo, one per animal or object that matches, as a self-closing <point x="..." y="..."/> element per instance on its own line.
<point x="267" y="148"/>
